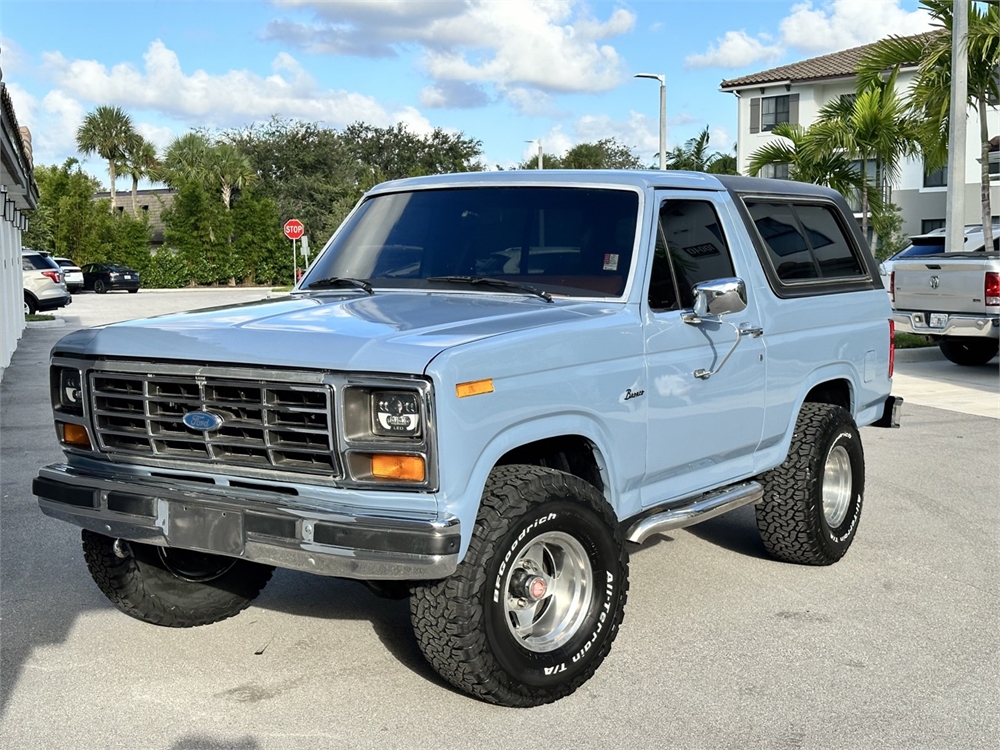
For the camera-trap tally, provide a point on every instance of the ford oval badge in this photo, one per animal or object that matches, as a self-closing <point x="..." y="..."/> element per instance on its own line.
<point x="202" y="420"/>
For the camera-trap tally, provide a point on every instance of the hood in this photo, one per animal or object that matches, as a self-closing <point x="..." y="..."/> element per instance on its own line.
<point x="392" y="332"/>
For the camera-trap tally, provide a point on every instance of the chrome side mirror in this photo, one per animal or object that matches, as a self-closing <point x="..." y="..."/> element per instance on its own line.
<point x="719" y="297"/>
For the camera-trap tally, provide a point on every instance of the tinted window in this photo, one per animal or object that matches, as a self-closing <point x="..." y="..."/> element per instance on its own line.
<point x="805" y="242"/>
<point x="690" y="248"/>
<point x="35" y="262"/>
<point x="564" y="240"/>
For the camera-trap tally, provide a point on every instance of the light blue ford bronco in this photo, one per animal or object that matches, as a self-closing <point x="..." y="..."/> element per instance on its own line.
<point x="484" y="390"/>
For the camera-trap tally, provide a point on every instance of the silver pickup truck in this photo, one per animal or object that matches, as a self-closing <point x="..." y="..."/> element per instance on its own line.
<point x="953" y="298"/>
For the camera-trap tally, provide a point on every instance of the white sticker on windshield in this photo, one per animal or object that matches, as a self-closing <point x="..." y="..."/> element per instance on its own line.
<point x="611" y="261"/>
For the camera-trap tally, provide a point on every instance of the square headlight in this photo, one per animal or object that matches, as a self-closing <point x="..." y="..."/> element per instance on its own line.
<point x="396" y="413"/>
<point x="68" y="390"/>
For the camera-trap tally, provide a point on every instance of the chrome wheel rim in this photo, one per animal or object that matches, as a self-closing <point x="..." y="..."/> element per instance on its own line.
<point x="548" y="591"/>
<point x="837" y="486"/>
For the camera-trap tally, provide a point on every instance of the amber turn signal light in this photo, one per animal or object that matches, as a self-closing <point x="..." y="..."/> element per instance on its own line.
<point x="75" y="435"/>
<point x="474" y="388"/>
<point x="407" y="468"/>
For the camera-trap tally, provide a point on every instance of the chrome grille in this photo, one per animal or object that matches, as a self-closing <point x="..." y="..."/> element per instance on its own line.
<point x="277" y="425"/>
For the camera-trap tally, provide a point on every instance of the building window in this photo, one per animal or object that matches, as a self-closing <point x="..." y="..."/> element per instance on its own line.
<point x="929" y="225"/>
<point x="848" y="99"/>
<point x="775" y="171"/>
<point x="937" y="178"/>
<point x="769" y="111"/>
<point x="773" y="111"/>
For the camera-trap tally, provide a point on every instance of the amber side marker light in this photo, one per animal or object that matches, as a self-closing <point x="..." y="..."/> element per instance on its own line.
<point x="408" y="468"/>
<point x="474" y="388"/>
<point x="75" y="435"/>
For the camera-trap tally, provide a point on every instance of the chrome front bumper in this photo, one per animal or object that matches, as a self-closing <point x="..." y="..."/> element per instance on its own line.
<point x="966" y="326"/>
<point x="249" y="524"/>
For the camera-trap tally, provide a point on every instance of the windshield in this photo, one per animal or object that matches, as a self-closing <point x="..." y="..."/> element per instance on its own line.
<point x="567" y="241"/>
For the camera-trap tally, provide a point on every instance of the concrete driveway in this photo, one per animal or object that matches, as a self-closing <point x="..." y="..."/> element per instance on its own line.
<point x="895" y="647"/>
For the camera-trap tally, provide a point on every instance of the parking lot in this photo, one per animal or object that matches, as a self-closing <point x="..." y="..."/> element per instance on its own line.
<point x="896" y="646"/>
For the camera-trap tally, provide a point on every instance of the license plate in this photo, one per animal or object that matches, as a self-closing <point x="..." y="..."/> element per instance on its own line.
<point x="938" y="320"/>
<point x="205" y="529"/>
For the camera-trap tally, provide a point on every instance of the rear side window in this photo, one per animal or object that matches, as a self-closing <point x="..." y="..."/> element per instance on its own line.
<point x="34" y="262"/>
<point x="805" y="242"/>
<point x="690" y="248"/>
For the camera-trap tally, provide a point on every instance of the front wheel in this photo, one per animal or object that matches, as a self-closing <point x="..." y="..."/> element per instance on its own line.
<point x="537" y="601"/>
<point x="812" y="502"/>
<point x="171" y="587"/>
<point x="969" y="352"/>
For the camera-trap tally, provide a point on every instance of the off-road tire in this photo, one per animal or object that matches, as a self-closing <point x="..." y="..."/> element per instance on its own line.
<point x="461" y="623"/>
<point x="969" y="352"/>
<point x="790" y="517"/>
<point x="100" y="287"/>
<point x="141" y="584"/>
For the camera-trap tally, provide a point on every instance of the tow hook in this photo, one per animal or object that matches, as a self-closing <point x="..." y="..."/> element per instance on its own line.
<point x="120" y="548"/>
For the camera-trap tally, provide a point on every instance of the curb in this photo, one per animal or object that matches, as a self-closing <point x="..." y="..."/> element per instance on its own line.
<point x="57" y="323"/>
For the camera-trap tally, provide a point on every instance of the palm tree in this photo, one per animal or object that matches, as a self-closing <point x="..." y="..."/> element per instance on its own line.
<point x="106" y="131"/>
<point x="138" y="161"/>
<point x="186" y="160"/>
<point x="930" y="96"/>
<point x="873" y="126"/>
<point x="230" y="169"/>
<point x="694" y="157"/>
<point x="807" y="162"/>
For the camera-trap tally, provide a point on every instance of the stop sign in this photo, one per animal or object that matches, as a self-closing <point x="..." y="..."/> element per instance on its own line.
<point x="294" y="229"/>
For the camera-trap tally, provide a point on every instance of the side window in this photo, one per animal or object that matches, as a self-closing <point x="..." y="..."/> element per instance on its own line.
<point x="804" y="242"/>
<point x="829" y="245"/>
<point x="690" y="248"/>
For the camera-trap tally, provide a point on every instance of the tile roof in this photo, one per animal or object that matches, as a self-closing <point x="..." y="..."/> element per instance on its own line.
<point x="834" y="65"/>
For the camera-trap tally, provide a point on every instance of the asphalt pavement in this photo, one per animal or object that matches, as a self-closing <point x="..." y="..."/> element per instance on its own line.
<point x="896" y="646"/>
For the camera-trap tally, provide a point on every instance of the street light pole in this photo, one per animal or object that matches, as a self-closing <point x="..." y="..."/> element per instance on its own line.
<point x="663" y="114"/>
<point x="539" y="142"/>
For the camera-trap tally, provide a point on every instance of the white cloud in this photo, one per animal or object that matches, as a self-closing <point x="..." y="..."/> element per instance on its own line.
<point x="455" y="94"/>
<point x="720" y="140"/>
<point x="843" y="24"/>
<point x="736" y="49"/>
<point x="529" y="101"/>
<point x="550" y="45"/>
<point x="814" y="27"/>
<point x="225" y="100"/>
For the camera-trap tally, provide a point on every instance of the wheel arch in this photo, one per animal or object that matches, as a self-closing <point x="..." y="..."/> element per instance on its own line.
<point x="582" y="442"/>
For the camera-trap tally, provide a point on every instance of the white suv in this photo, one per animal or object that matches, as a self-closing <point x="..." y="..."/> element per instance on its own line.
<point x="44" y="287"/>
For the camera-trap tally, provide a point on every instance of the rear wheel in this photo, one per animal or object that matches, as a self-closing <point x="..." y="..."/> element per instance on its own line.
<point x="533" y="608"/>
<point x="171" y="587"/>
<point x="30" y="305"/>
<point x="132" y="291"/>
<point x="100" y="287"/>
<point x="812" y="502"/>
<point x="969" y="352"/>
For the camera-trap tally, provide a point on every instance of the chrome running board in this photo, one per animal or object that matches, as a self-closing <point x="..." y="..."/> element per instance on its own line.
<point x="696" y="510"/>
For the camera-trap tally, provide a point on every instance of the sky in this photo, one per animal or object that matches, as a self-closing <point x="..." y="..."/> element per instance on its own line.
<point x="505" y="72"/>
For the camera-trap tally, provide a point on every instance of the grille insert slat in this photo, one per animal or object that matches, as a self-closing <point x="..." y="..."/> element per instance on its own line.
<point x="282" y="426"/>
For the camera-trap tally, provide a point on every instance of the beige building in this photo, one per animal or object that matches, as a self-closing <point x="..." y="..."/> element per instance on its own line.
<point x="152" y="203"/>
<point x="795" y="93"/>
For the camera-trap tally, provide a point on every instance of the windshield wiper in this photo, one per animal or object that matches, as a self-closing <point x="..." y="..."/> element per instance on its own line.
<point x="339" y="281"/>
<point x="494" y="282"/>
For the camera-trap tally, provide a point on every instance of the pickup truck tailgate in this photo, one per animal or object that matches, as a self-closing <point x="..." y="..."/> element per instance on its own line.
<point x="941" y="284"/>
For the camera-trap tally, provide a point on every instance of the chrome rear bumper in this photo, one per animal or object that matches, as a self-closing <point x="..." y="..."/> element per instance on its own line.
<point x="981" y="326"/>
